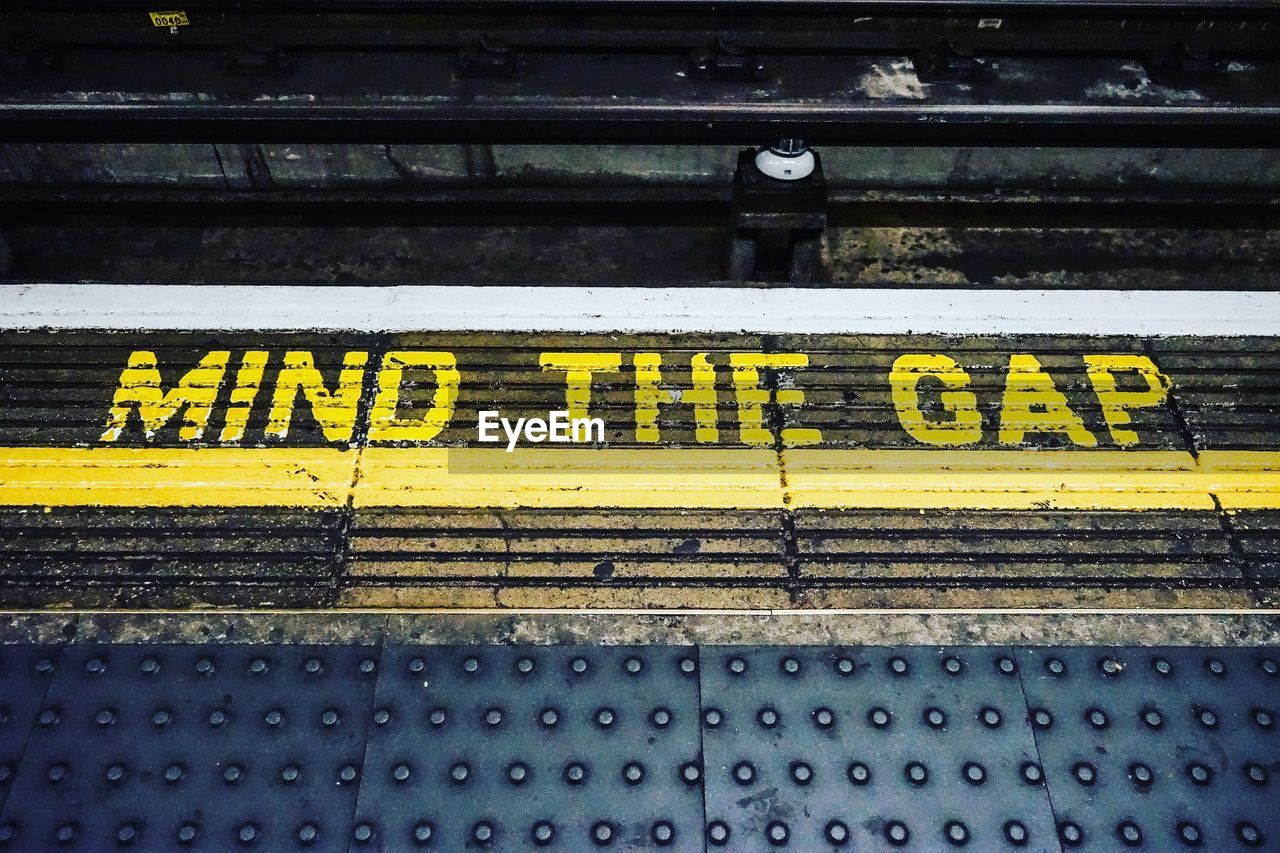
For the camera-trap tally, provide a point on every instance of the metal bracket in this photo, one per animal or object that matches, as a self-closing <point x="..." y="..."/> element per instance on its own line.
<point x="726" y="60"/>
<point x="947" y="61"/>
<point x="777" y="225"/>
<point x="490" y="59"/>
<point x="256" y="57"/>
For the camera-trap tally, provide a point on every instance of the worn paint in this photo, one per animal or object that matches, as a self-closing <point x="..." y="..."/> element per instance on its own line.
<point x="964" y="423"/>
<point x="692" y="478"/>
<point x="385" y="422"/>
<point x="140" y="390"/>
<point x="334" y="411"/>
<point x="1032" y="404"/>
<point x="650" y="394"/>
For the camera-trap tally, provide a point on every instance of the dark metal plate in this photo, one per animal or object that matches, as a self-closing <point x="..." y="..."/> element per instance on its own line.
<point x="1159" y="749"/>
<point x="225" y="747"/>
<point x="25" y="675"/>
<point x="151" y="746"/>
<point x="504" y="747"/>
<point x="869" y="749"/>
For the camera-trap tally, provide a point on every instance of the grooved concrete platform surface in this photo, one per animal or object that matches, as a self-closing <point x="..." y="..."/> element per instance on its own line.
<point x="163" y="469"/>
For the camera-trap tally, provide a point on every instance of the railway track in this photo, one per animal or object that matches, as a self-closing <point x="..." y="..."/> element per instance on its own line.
<point x="992" y="74"/>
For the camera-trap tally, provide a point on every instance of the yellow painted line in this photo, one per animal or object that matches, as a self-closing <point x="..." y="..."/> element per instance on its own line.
<point x="1243" y="479"/>
<point x="566" y="479"/>
<point x="161" y="477"/>
<point x="658" y="478"/>
<point x="996" y="479"/>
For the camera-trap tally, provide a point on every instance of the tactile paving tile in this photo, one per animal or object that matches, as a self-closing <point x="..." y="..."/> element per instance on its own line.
<point x="1159" y="749"/>
<point x="869" y="749"/>
<point x="25" y="675"/>
<point x="228" y="747"/>
<point x="196" y="747"/>
<point x="537" y="747"/>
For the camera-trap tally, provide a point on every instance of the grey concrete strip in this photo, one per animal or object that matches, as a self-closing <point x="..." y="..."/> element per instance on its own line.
<point x="1213" y="628"/>
<point x="870" y="628"/>
<point x="284" y="627"/>
<point x="41" y="629"/>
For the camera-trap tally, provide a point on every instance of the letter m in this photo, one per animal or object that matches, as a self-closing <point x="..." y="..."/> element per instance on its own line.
<point x="141" y="390"/>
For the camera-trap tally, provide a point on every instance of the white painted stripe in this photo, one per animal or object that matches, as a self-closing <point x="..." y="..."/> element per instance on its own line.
<point x="637" y="309"/>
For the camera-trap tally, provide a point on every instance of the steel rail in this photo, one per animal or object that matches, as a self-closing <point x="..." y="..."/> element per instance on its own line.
<point x="570" y="121"/>
<point x="1096" y="73"/>
<point x="931" y="6"/>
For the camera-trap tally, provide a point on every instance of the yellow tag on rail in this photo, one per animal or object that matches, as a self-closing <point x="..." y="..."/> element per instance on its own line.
<point x="169" y="19"/>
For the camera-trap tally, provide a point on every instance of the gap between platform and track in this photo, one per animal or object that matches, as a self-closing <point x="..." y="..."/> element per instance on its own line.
<point x="731" y="308"/>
